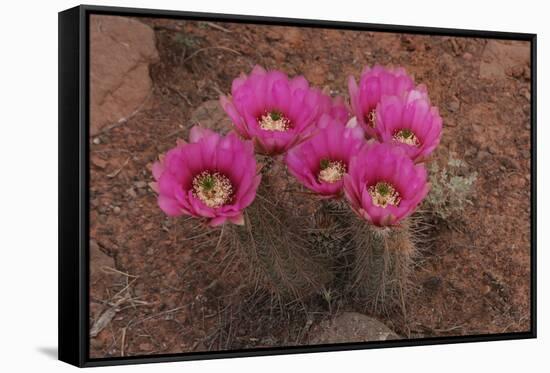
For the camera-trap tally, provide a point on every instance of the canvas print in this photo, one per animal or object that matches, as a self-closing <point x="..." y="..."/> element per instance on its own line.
<point x="259" y="186"/>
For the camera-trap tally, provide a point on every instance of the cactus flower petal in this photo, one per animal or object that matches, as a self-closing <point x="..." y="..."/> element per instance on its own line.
<point x="409" y="122"/>
<point x="213" y="177"/>
<point x="383" y="185"/>
<point x="277" y="112"/>
<point x="321" y="162"/>
<point x="373" y="85"/>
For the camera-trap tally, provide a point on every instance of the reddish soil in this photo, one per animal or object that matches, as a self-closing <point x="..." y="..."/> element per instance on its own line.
<point x="172" y="297"/>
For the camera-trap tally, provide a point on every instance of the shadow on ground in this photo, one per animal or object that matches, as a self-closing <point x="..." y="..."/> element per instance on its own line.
<point x="50" y="352"/>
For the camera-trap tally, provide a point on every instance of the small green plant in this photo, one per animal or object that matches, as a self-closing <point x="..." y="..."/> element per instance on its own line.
<point x="451" y="189"/>
<point x="185" y="40"/>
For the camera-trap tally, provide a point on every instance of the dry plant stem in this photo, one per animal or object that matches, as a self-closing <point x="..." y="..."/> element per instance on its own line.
<point x="278" y="255"/>
<point x="384" y="258"/>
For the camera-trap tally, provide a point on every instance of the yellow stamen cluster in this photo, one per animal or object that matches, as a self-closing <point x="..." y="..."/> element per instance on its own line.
<point x="212" y="188"/>
<point x="274" y="121"/>
<point x="331" y="171"/>
<point x="371" y="118"/>
<point x="384" y="194"/>
<point x="406" y="136"/>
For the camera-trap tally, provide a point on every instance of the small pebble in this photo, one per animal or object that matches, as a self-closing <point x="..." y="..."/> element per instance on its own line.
<point x="517" y="72"/>
<point x="97" y="141"/>
<point x="525" y="93"/>
<point x="131" y="192"/>
<point x="116" y="210"/>
<point x="145" y="346"/>
<point x="97" y="343"/>
<point x="470" y="152"/>
<point x="454" y="105"/>
<point x="433" y="283"/>
<point x="99" y="163"/>
<point x="526" y="73"/>
<point x="483" y="155"/>
<point x="140" y="184"/>
<point x="155" y="273"/>
<point x="511" y="163"/>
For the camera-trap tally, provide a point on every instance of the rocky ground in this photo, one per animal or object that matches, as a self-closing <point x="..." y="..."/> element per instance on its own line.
<point x="153" y="291"/>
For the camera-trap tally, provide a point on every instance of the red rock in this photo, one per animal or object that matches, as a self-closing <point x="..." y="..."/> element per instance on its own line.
<point x="98" y="162"/>
<point x="121" y="50"/>
<point x="351" y="327"/>
<point x="502" y="56"/>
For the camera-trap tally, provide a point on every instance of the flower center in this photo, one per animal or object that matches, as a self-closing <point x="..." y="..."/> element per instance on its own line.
<point x="212" y="188"/>
<point x="370" y="118"/>
<point x="331" y="171"/>
<point x="384" y="194"/>
<point x="406" y="136"/>
<point x="274" y="121"/>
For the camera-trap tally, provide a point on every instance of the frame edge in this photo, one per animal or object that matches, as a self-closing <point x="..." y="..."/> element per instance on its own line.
<point x="70" y="349"/>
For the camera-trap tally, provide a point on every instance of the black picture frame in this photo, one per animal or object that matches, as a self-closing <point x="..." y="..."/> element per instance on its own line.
<point x="74" y="183"/>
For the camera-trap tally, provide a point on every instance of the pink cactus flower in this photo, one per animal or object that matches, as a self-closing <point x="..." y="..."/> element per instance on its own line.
<point x="211" y="177"/>
<point x="409" y="122"/>
<point x="335" y="108"/>
<point x="321" y="162"/>
<point x="274" y="111"/>
<point x="383" y="185"/>
<point x="374" y="84"/>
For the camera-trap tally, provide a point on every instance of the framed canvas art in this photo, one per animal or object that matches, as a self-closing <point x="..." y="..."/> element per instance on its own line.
<point x="239" y="186"/>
